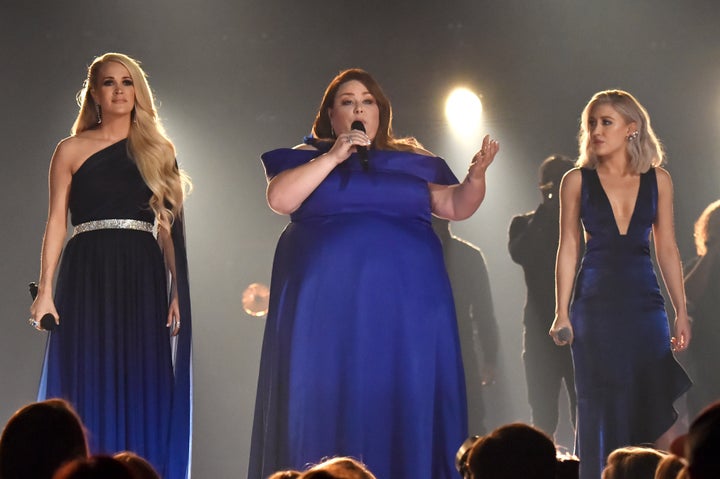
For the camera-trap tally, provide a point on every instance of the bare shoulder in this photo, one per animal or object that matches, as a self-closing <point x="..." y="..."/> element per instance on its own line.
<point x="75" y="149"/>
<point x="664" y="180"/>
<point x="572" y="179"/>
<point x="66" y="150"/>
<point x="662" y="174"/>
<point x="304" y="146"/>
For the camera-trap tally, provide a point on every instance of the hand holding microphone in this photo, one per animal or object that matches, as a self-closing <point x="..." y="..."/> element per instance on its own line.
<point x="47" y="322"/>
<point x="362" y="150"/>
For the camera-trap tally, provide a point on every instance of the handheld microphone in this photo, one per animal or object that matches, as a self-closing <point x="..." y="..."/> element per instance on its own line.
<point x="564" y="334"/>
<point x="362" y="150"/>
<point x="47" y="322"/>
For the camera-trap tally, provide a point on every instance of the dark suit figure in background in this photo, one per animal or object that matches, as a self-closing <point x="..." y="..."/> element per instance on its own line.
<point x="533" y="245"/>
<point x="477" y="326"/>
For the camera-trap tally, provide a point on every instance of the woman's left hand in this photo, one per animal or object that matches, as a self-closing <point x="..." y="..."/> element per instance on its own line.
<point x="173" y="320"/>
<point x="483" y="157"/>
<point x="683" y="333"/>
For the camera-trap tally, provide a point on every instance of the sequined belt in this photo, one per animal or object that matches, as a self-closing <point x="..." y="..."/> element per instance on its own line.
<point x="113" y="225"/>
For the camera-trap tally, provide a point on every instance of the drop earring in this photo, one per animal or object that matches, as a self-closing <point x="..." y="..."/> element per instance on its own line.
<point x="633" y="136"/>
<point x="98" y="113"/>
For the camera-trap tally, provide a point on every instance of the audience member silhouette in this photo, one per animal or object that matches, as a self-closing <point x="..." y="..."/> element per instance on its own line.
<point x="288" y="474"/>
<point x="513" y="451"/>
<point x="632" y="463"/>
<point x="702" y="288"/>
<point x="669" y="467"/>
<point x="141" y="468"/>
<point x="39" y="438"/>
<point x="95" y="467"/>
<point x="533" y="243"/>
<point x="338" y="468"/>
<point x="477" y="325"/>
<point x="701" y="445"/>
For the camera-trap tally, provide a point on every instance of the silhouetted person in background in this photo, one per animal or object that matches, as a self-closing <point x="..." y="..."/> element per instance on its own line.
<point x="632" y="462"/>
<point x="533" y="242"/>
<point x="513" y="451"/>
<point x="96" y="467"/>
<point x="702" y="287"/>
<point x="477" y="326"/>
<point x="39" y="438"/>
<point x="700" y="447"/>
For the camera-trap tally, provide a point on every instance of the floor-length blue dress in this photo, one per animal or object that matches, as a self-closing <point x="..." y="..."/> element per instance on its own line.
<point x="361" y="354"/>
<point x="112" y="356"/>
<point x="625" y="373"/>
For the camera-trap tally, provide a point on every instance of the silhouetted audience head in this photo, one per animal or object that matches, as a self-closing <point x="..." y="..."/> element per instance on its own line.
<point x="141" y="468"/>
<point x="551" y="171"/>
<point x="669" y="467"/>
<point x="338" y="468"/>
<point x="96" y="467"/>
<point x="701" y="445"/>
<point x="39" y="438"/>
<point x="707" y="228"/>
<point x="632" y="463"/>
<point x="513" y="451"/>
<point x="288" y="474"/>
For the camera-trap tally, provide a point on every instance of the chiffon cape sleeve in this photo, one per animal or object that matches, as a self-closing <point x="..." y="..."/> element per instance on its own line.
<point x="181" y="414"/>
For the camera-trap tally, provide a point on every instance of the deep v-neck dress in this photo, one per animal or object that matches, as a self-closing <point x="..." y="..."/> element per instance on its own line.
<point x="625" y="373"/>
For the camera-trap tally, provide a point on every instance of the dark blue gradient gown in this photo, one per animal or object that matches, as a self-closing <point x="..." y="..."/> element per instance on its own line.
<point x="112" y="356"/>
<point x="625" y="373"/>
<point x="361" y="354"/>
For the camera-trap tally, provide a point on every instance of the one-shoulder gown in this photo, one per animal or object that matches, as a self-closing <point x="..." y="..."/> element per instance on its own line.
<point x="625" y="373"/>
<point x="111" y="356"/>
<point x="361" y="355"/>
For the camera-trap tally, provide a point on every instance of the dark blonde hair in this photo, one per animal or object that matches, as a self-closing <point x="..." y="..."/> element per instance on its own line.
<point x="384" y="138"/>
<point x="644" y="152"/>
<point x="632" y="463"/>
<point x="148" y="145"/>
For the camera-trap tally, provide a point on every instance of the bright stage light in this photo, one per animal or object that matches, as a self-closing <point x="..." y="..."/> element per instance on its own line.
<point x="463" y="110"/>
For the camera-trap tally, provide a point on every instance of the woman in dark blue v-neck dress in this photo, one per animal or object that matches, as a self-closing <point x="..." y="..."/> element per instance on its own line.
<point x="625" y="373"/>
<point x="361" y="355"/>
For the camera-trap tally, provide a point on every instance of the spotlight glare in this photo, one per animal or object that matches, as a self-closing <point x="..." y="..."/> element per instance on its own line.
<point x="463" y="110"/>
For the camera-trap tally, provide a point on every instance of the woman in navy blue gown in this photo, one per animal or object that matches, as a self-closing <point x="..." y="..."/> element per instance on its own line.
<point x="625" y="373"/>
<point x="361" y="355"/>
<point x="111" y="353"/>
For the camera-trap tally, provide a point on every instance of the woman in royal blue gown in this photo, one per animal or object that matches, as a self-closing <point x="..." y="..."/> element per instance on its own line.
<point x="120" y="292"/>
<point x="625" y="373"/>
<point x="361" y="355"/>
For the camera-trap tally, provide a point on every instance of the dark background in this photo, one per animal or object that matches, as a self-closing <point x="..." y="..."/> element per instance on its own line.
<point x="236" y="78"/>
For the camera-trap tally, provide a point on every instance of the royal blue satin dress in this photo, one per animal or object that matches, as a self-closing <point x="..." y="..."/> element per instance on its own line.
<point x="111" y="356"/>
<point x="625" y="373"/>
<point x="361" y="355"/>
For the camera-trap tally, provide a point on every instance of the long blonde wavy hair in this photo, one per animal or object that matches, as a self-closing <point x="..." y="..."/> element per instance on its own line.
<point x="148" y="144"/>
<point x="644" y="152"/>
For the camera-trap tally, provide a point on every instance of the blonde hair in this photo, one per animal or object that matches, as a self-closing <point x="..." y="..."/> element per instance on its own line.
<point x="645" y="151"/>
<point x="707" y="227"/>
<point x="148" y="144"/>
